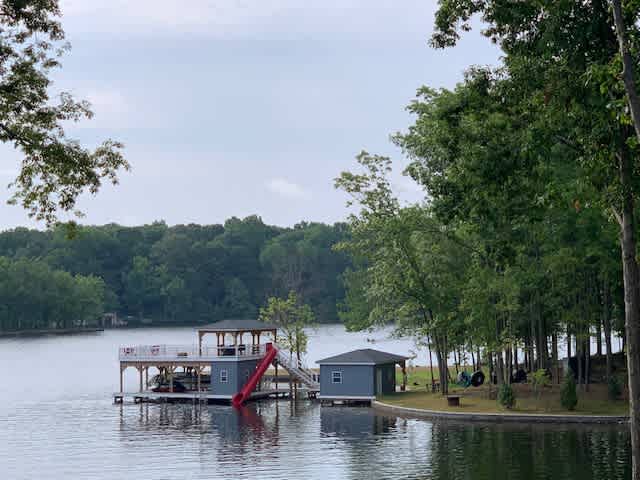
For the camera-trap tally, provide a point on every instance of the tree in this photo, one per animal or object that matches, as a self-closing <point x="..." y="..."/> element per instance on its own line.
<point x="568" y="54"/>
<point x="55" y="169"/>
<point x="291" y="317"/>
<point x="412" y="267"/>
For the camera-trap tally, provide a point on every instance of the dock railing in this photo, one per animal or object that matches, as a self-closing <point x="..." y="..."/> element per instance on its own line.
<point x="187" y="352"/>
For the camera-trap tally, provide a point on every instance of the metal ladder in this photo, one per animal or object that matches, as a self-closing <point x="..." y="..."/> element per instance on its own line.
<point x="299" y="372"/>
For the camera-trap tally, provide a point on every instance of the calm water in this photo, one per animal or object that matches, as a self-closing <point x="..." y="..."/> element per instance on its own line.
<point x="57" y="422"/>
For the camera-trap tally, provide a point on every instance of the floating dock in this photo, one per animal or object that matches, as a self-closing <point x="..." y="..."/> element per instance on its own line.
<point x="153" y="397"/>
<point x="231" y="371"/>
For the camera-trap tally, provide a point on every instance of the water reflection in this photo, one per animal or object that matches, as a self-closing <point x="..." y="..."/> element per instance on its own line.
<point x="530" y="452"/>
<point x="58" y="422"/>
<point x="285" y="440"/>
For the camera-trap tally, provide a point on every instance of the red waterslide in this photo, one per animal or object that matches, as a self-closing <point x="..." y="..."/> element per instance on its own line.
<point x="240" y="397"/>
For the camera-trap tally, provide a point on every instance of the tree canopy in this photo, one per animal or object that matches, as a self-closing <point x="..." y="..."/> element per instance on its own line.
<point x="190" y="274"/>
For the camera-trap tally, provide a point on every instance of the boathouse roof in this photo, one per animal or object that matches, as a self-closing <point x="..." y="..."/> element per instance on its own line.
<point x="232" y="325"/>
<point x="366" y="356"/>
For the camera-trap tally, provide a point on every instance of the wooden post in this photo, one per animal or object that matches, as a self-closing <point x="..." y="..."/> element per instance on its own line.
<point x="403" y="365"/>
<point x="276" y="365"/>
<point x="140" y="374"/>
<point x="200" y="335"/>
<point x="198" y="372"/>
<point x="146" y="376"/>
<point x="171" y="370"/>
<point x="121" y="379"/>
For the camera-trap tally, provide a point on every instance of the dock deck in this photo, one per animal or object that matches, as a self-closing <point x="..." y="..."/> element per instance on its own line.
<point x="150" y="396"/>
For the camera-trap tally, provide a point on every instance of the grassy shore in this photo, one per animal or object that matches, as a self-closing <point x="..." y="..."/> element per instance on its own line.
<point x="482" y="399"/>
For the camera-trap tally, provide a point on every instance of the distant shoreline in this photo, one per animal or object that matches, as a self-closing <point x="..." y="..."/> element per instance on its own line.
<point x="49" y="331"/>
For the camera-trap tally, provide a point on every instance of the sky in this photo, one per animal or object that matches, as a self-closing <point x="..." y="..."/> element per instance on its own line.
<point x="241" y="107"/>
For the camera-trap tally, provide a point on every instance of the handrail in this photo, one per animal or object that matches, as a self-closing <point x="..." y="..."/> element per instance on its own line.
<point x="296" y="369"/>
<point x="175" y="352"/>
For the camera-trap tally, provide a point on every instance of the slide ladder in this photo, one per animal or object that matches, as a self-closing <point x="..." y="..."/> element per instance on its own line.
<point x="303" y="375"/>
<point x="240" y="397"/>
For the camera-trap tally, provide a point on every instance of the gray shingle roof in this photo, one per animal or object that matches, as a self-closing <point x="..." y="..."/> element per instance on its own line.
<point x="237" y="325"/>
<point x="364" y="356"/>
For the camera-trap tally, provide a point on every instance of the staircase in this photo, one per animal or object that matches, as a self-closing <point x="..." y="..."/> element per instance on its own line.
<point x="297" y="371"/>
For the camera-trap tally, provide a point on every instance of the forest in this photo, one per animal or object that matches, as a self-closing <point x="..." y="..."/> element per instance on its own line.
<point x="526" y="237"/>
<point x="184" y="274"/>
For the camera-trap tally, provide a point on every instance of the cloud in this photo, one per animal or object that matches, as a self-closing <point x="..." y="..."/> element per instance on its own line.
<point x="237" y="17"/>
<point x="286" y="189"/>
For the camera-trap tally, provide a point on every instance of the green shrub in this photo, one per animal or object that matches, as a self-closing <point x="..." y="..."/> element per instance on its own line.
<point x="568" y="395"/>
<point x="614" y="387"/>
<point x="506" y="397"/>
<point x="540" y="379"/>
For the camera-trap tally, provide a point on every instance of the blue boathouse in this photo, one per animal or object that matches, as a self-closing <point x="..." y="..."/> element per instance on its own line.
<point x="360" y="375"/>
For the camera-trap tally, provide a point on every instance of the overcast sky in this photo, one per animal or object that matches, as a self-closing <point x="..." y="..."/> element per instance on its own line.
<point x="239" y="107"/>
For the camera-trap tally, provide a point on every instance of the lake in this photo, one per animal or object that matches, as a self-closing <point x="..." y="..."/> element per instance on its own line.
<point x="58" y="422"/>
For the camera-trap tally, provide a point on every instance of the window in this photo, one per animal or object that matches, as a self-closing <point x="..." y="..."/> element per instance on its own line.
<point x="224" y="376"/>
<point x="336" y="377"/>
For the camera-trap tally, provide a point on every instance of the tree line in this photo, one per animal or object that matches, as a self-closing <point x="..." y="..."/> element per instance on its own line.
<point x="528" y="232"/>
<point x="184" y="274"/>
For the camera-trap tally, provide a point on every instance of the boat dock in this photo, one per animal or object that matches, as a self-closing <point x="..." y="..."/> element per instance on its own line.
<point x="206" y="397"/>
<point x="229" y="371"/>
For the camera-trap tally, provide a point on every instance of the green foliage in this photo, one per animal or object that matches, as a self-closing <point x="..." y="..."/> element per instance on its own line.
<point x="291" y="317"/>
<point x="568" y="394"/>
<point x="33" y="295"/>
<point x="539" y="380"/>
<point x="614" y="388"/>
<point x="193" y="273"/>
<point x="55" y="169"/>
<point x="506" y="396"/>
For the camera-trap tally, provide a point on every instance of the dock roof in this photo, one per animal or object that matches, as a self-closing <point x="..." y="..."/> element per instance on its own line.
<point x="232" y="325"/>
<point x="366" y="356"/>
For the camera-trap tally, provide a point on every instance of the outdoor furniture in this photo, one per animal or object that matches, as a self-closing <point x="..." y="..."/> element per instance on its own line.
<point x="453" y="400"/>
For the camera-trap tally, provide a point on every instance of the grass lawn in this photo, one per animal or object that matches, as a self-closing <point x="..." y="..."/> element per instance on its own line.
<point x="594" y="402"/>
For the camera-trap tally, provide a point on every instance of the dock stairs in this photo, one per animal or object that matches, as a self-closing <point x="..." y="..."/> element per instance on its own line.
<point x="296" y="370"/>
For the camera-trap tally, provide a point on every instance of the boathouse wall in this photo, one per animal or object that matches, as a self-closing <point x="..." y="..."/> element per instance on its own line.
<point x="356" y="380"/>
<point x="228" y="377"/>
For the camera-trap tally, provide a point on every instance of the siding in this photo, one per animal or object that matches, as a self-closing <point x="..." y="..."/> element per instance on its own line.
<point x="357" y="381"/>
<point x="236" y="375"/>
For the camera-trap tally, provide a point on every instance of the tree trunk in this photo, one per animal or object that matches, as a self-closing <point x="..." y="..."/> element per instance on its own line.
<point x="430" y="362"/>
<point x="628" y="241"/>
<point x="587" y="361"/>
<point x="456" y="361"/>
<point x="599" y="337"/>
<point x="606" y="323"/>
<point x="499" y="367"/>
<point x="473" y="360"/>
<point x="568" y="343"/>
<point x="554" y="351"/>
<point x="579" y="359"/>
<point x="631" y="277"/>
<point x="632" y="317"/>
<point x="479" y="361"/>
